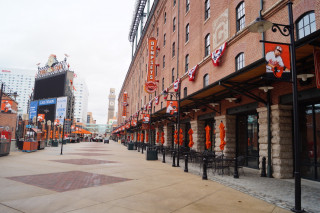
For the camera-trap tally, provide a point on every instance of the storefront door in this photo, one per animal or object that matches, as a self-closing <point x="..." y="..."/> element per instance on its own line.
<point x="310" y="134"/>
<point x="247" y="135"/>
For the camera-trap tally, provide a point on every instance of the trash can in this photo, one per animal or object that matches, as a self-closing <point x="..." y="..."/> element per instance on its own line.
<point x="152" y="155"/>
<point x="55" y="143"/>
<point x="130" y="146"/>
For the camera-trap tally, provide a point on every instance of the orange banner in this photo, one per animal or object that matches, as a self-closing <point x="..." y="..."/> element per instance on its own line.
<point x="151" y="85"/>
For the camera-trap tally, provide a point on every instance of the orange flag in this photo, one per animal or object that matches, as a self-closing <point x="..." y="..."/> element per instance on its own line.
<point x="180" y="137"/>
<point x="176" y="136"/>
<point x="208" y="142"/>
<point x="138" y="137"/>
<point x="162" y="138"/>
<point x="142" y="137"/>
<point x="157" y="137"/>
<point x="222" y="136"/>
<point x="190" y="132"/>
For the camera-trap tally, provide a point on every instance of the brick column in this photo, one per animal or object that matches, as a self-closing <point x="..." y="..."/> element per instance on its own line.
<point x="229" y="122"/>
<point x="263" y="134"/>
<point x="167" y="135"/>
<point x="199" y="137"/>
<point x="281" y="131"/>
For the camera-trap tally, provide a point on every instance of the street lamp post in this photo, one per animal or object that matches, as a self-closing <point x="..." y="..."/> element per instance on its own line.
<point x="288" y="30"/>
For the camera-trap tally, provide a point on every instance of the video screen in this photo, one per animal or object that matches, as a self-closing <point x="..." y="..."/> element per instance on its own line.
<point x="48" y="110"/>
<point x="50" y="87"/>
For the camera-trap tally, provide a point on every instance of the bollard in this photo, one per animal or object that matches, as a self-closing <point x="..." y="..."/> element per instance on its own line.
<point x="174" y="159"/>
<point x="186" y="163"/>
<point x="164" y="156"/>
<point x="178" y="158"/>
<point x="236" y="173"/>
<point x="142" y="147"/>
<point x="204" y="175"/>
<point x="263" y="170"/>
<point x="138" y="147"/>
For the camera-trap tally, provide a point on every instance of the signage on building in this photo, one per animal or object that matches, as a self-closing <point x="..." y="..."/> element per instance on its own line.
<point x="47" y="102"/>
<point x="61" y="109"/>
<point x="277" y="59"/>
<point x="6" y="106"/>
<point x="125" y="103"/>
<point x="33" y="109"/>
<point x="151" y="85"/>
<point x="53" y="66"/>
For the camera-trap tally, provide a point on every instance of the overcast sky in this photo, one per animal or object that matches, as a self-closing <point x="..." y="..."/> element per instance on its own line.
<point x="94" y="33"/>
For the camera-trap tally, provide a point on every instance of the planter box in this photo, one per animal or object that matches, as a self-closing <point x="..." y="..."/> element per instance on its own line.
<point x="152" y="155"/>
<point x="4" y="148"/>
<point x="30" y="146"/>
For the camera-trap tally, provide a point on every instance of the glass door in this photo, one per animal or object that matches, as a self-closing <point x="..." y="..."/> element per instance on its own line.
<point x="247" y="135"/>
<point x="310" y="143"/>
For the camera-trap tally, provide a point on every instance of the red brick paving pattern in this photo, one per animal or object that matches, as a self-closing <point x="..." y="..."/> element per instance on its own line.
<point x="84" y="161"/>
<point x="66" y="181"/>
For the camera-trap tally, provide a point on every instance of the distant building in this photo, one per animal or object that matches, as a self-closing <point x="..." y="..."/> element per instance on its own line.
<point x="81" y="95"/>
<point x="89" y="118"/>
<point x="111" y="106"/>
<point x="20" y="81"/>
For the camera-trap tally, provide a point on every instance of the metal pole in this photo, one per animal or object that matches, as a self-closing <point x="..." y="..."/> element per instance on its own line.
<point x="236" y="172"/>
<point x="64" y="121"/>
<point x="1" y="92"/>
<point x="269" y="169"/>
<point x="296" y="133"/>
<point x="178" y="118"/>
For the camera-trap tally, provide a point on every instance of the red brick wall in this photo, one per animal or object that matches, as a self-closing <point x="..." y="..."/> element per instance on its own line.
<point x="243" y="41"/>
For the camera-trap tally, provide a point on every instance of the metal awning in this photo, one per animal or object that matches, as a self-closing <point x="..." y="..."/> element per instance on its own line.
<point x="140" y="5"/>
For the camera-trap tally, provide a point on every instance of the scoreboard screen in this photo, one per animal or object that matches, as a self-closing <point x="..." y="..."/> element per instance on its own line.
<point x="50" y="87"/>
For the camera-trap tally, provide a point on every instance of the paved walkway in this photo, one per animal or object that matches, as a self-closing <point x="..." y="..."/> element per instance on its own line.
<point x="97" y="177"/>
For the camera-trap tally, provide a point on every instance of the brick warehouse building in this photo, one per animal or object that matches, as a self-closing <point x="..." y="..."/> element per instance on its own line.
<point x="258" y="117"/>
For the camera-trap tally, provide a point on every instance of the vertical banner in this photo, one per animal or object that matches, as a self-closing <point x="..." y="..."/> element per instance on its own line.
<point x="61" y="109"/>
<point x="33" y="109"/>
<point x="277" y="59"/>
<point x="316" y="54"/>
<point x="6" y="106"/>
<point x="151" y="85"/>
<point x="172" y="107"/>
<point x="125" y="103"/>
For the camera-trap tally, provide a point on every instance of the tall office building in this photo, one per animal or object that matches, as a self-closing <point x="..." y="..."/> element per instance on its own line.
<point x="20" y="81"/>
<point x="81" y="95"/>
<point x="112" y="98"/>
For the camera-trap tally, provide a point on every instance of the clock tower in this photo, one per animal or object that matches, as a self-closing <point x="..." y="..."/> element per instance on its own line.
<point x="111" y="106"/>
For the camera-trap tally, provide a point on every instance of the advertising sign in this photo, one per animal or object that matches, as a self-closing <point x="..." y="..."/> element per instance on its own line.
<point x="125" y="103"/>
<point x="146" y="118"/>
<point x="172" y="107"/>
<point x="6" y="106"/>
<point x="41" y="117"/>
<point x="33" y="109"/>
<point x="150" y="85"/>
<point x="53" y="66"/>
<point x="47" y="102"/>
<point x="61" y="109"/>
<point x="277" y="59"/>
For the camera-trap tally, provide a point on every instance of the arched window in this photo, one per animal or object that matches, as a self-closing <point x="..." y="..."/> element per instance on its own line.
<point x="172" y="75"/>
<point x="164" y="39"/>
<point x="185" y="92"/>
<point x="162" y="85"/>
<point x="173" y="49"/>
<point x="165" y="17"/>
<point x="164" y="61"/>
<point x="207" y="9"/>
<point x="207" y="45"/>
<point x="306" y="24"/>
<point x="187" y="63"/>
<point x="205" y="80"/>
<point x="174" y="3"/>
<point x="187" y="32"/>
<point x="241" y="21"/>
<point x="174" y="24"/>
<point x="239" y="61"/>
<point x="187" y="5"/>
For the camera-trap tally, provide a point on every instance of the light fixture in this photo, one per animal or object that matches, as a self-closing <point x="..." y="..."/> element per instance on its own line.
<point x="186" y="113"/>
<point x="266" y="88"/>
<point x="231" y="99"/>
<point x="214" y="104"/>
<point x="260" y="25"/>
<point x="305" y="76"/>
<point x="196" y="110"/>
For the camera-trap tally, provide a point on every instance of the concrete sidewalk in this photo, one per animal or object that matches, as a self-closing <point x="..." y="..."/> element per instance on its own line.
<point x="96" y="177"/>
